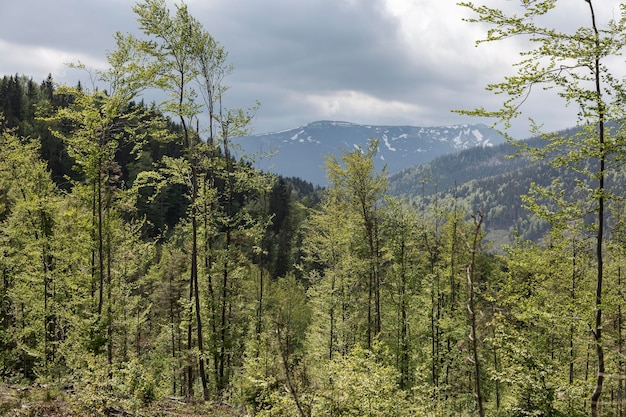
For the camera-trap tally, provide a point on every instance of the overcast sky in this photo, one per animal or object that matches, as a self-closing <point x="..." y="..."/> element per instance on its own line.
<point x="363" y="61"/>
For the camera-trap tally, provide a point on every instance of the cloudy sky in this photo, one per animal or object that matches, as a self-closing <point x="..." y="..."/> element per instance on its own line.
<point x="363" y="61"/>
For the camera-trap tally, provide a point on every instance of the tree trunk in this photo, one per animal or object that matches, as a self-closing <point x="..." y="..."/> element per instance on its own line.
<point x="109" y="289"/>
<point x="225" y="305"/>
<point x="284" y="354"/>
<point x="404" y="348"/>
<point x="100" y="239"/>
<point x="189" y="343"/>
<point x="173" y="328"/>
<point x="597" y="332"/>
<point x="331" y="336"/>
<point x="472" y="314"/>
<point x="194" y="278"/>
<point x="620" y="347"/>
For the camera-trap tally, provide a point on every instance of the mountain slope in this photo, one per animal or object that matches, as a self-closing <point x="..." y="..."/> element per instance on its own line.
<point x="485" y="179"/>
<point x="300" y="152"/>
<point x="490" y="180"/>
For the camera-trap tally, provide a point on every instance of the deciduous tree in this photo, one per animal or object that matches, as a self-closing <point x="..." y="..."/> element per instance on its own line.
<point x="577" y="65"/>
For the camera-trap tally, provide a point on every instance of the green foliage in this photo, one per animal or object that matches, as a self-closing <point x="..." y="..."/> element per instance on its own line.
<point x="167" y="272"/>
<point x="576" y="64"/>
<point x="358" y="385"/>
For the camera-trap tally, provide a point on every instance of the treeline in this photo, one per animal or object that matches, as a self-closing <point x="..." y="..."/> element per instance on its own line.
<point x="140" y="260"/>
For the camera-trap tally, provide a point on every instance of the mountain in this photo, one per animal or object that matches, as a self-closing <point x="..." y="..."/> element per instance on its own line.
<point x="469" y="165"/>
<point x="491" y="181"/>
<point x="482" y="179"/>
<point x="300" y="152"/>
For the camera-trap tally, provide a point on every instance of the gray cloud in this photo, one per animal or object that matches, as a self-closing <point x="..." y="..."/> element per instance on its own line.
<point x="316" y="45"/>
<point x="365" y="61"/>
<point x="72" y="25"/>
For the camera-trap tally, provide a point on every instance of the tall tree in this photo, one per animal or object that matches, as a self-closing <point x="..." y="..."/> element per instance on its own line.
<point x="576" y="63"/>
<point x="169" y="53"/>
<point x="403" y="250"/>
<point x="329" y="232"/>
<point x="29" y="209"/>
<point x="183" y="60"/>
<point x="362" y="188"/>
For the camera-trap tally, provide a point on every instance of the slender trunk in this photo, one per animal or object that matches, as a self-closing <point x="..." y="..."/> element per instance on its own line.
<point x="194" y="277"/>
<point x="259" y="312"/>
<point x="435" y="314"/>
<point x="266" y="248"/>
<point x="214" y="329"/>
<point x="224" y="318"/>
<point x="571" y="327"/>
<point x="433" y="337"/>
<point x="370" y="288"/>
<point x="194" y="271"/>
<point x="209" y="184"/>
<point x="109" y="289"/>
<point x="331" y="336"/>
<point x="46" y="265"/>
<point x="94" y="209"/>
<point x="173" y="327"/>
<point x="496" y="366"/>
<point x="620" y="347"/>
<point x="371" y="326"/>
<point x="187" y="143"/>
<point x="179" y="346"/>
<point x="189" y="345"/>
<point x="347" y="337"/>
<point x="46" y="283"/>
<point x="471" y="268"/>
<point x="373" y="297"/>
<point x="453" y="254"/>
<point x="45" y="320"/>
<point x="284" y="352"/>
<point x="225" y="305"/>
<point x="404" y="353"/>
<point x="597" y="332"/>
<point x="452" y="286"/>
<point x="100" y="238"/>
<point x="376" y="270"/>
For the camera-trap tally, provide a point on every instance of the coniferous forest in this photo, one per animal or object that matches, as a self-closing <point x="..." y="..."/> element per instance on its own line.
<point x="147" y="269"/>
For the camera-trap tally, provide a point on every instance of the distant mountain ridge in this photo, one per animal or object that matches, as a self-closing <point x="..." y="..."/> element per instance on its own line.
<point x="300" y="152"/>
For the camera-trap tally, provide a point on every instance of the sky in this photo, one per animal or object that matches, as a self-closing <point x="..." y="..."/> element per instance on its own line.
<point x="378" y="62"/>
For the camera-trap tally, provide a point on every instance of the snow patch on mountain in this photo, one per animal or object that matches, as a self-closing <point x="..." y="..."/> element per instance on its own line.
<point x="387" y="144"/>
<point x="295" y="137"/>
<point x="479" y="136"/>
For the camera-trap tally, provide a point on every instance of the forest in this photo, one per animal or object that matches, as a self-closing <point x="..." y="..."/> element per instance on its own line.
<point x="146" y="269"/>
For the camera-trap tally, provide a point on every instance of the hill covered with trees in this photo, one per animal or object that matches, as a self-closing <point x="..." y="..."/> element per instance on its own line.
<point x="496" y="181"/>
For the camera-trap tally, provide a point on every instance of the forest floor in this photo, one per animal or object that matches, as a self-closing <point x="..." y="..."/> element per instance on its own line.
<point x="29" y="401"/>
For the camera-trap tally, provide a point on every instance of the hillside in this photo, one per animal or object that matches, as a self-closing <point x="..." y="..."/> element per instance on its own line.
<point x="99" y="287"/>
<point x="491" y="180"/>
